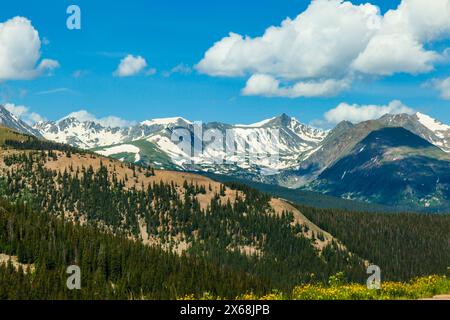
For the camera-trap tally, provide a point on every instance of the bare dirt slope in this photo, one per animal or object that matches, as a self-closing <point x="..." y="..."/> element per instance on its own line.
<point x="5" y="259"/>
<point x="280" y="205"/>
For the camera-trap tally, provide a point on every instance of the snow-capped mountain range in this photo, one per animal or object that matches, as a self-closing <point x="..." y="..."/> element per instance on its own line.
<point x="292" y="141"/>
<point x="90" y="134"/>
<point x="303" y="151"/>
<point x="354" y="161"/>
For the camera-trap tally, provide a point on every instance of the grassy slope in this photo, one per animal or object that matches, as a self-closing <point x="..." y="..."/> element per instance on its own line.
<point x="8" y="134"/>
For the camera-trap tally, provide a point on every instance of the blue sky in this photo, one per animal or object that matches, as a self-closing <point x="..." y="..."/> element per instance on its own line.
<point x="179" y="33"/>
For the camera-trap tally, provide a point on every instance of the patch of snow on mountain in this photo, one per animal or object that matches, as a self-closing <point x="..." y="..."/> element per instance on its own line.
<point x="124" y="148"/>
<point x="311" y="152"/>
<point x="170" y="148"/>
<point x="137" y="157"/>
<point x="255" y="125"/>
<point x="431" y="123"/>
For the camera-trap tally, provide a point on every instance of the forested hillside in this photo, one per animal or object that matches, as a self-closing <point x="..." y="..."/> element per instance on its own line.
<point x="181" y="213"/>
<point x="142" y="233"/>
<point x="112" y="266"/>
<point x="403" y="245"/>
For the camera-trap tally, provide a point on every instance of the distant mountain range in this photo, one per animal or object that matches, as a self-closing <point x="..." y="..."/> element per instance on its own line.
<point x="152" y="142"/>
<point x="352" y="161"/>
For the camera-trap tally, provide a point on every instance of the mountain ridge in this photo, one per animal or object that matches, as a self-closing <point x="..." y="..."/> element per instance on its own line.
<point x="346" y="135"/>
<point x="9" y="120"/>
<point x="295" y="138"/>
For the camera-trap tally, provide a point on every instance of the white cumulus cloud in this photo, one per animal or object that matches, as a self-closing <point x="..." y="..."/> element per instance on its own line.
<point x="33" y="118"/>
<point x="321" y="41"/>
<point x="109" y="121"/>
<point x="265" y="85"/>
<point x="399" y="45"/>
<point x="443" y="86"/>
<point x="130" y="66"/>
<point x="20" y="51"/>
<point x="357" y="113"/>
<point x="327" y="44"/>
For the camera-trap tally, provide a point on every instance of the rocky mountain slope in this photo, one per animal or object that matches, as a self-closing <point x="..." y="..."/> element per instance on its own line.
<point x="345" y="136"/>
<point x="7" y="119"/>
<point x="391" y="166"/>
<point x="422" y="125"/>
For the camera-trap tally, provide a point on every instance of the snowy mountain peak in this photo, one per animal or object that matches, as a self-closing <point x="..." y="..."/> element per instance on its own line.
<point x="83" y="134"/>
<point x="256" y="124"/>
<point x="422" y="125"/>
<point x="166" y="122"/>
<point x="282" y="120"/>
<point x="70" y="122"/>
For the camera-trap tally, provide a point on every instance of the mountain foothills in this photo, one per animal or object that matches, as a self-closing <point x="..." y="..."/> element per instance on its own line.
<point x="142" y="233"/>
<point x="305" y="156"/>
